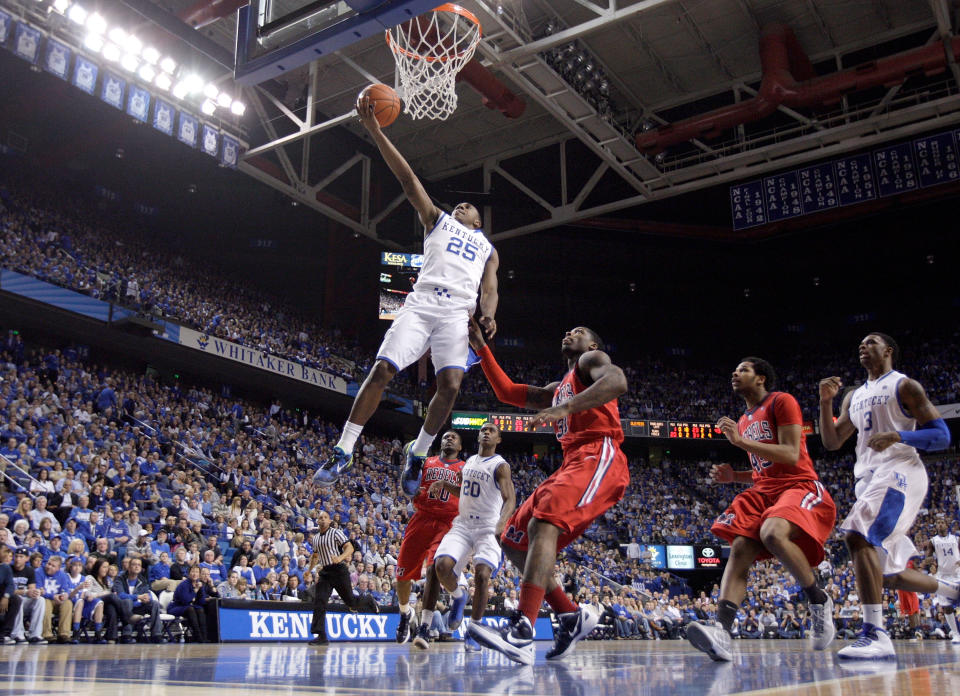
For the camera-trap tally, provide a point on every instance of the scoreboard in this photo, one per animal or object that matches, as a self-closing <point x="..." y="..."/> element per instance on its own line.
<point x="632" y="427"/>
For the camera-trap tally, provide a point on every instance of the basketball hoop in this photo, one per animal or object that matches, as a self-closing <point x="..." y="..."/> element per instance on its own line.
<point x="429" y="51"/>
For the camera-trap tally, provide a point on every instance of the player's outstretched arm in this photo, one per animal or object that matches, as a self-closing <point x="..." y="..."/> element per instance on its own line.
<point x="606" y="382"/>
<point x="834" y="434"/>
<point x="509" y="495"/>
<point x="412" y="187"/>
<point x="932" y="433"/>
<point x="489" y="295"/>
<point x="522" y="395"/>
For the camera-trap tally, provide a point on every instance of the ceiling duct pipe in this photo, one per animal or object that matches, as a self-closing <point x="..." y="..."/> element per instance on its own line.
<point x="787" y="80"/>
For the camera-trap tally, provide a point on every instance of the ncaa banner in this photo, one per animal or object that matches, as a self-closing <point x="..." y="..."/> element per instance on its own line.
<point x="57" y="61"/>
<point x="230" y="154"/>
<point x="138" y="103"/>
<point x="210" y="144"/>
<point x="112" y="90"/>
<point x="187" y="132"/>
<point x="163" y="114"/>
<point x="27" y="43"/>
<point x="85" y="75"/>
<point x="260" y="360"/>
<point x="5" y="23"/>
<point x="292" y="624"/>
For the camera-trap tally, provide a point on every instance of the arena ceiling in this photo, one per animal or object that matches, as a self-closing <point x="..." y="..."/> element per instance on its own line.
<point x="568" y="158"/>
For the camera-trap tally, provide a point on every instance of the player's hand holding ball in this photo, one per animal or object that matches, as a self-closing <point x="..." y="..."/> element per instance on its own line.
<point x="721" y="473"/>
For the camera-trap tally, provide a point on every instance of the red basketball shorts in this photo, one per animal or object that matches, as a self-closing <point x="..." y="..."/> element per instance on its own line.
<point x="420" y="541"/>
<point x="592" y="479"/>
<point x="909" y="603"/>
<point x="806" y="503"/>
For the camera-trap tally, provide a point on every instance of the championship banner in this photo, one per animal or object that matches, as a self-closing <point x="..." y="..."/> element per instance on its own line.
<point x="290" y="621"/>
<point x="112" y="90"/>
<point x="260" y="360"/>
<point x="138" y="103"/>
<point x="57" y="60"/>
<point x="27" y="43"/>
<point x="209" y="144"/>
<point x="187" y="132"/>
<point x="163" y="114"/>
<point x="5" y="23"/>
<point x="85" y="75"/>
<point x="230" y="152"/>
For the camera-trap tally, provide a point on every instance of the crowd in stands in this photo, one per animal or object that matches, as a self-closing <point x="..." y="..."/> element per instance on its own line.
<point x="121" y="489"/>
<point x="62" y="240"/>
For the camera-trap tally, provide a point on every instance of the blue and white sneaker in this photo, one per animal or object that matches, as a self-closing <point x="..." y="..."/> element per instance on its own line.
<point x="470" y="645"/>
<point x="572" y="628"/>
<point x="873" y="644"/>
<point x="410" y="478"/>
<point x="455" y="617"/>
<point x="330" y="470"/>
<point x="422" y="640"/>
<point x="515" y="640"/>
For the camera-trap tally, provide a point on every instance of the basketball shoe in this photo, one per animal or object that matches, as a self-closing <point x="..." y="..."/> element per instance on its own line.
<point x="712" y="640"/>
<point x="330" y="470"/>
<point x="404" y="628"/>
<point x="470" y="645"/>
<point x="455" y="617"/>
<point x="823" y="627"/>
<point x="422" y="639"/>
<point x="515" y="640"/>
<point x="573" y="627"/>
<point x="410" y="478"/>
<point x="873" y="644"/>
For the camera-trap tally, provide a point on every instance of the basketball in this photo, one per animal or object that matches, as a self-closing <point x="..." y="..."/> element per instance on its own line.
<point x="386" y="103"/>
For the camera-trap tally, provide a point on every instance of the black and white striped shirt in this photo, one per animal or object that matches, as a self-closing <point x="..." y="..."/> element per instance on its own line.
<point x="328" y="545"/>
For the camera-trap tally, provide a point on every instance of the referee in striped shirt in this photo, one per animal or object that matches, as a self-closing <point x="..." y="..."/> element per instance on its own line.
<point x="333" y="549"/>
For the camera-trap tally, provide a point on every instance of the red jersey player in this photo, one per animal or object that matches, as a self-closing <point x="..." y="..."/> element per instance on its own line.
<point x="431" y="520"/>
<point x="786" y="512"/>
<point x="582" y="408"/>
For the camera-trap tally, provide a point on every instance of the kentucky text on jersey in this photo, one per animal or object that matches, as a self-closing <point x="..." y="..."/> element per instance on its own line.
<point x="868" y="402"/>
<point x="479" y="241"/>
<point x="476" y="474"/>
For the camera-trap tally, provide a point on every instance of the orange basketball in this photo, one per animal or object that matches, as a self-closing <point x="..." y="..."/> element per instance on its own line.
<point x="386" y="103"/>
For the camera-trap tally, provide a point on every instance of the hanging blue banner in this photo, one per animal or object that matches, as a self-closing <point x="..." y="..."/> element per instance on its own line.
<point x="5" y="22"/>
<point x="230" y="153"/>
<point x="187" y="132"/>
<point x="112" y="90"/>
<point x="27" y="43"/>
<point x="138" y="103"/>
<point x="57" y="60"/>
<point x="85" y="75"/>
<point x="163" y="114"/>
<point x="210" y="144"/>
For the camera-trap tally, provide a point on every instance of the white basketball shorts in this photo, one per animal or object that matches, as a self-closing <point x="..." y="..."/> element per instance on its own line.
<point x="887" y="505"/>
<point x="462" y="541"/>
<point x="422" y="323"/>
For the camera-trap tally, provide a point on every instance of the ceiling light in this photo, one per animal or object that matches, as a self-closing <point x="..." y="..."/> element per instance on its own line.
<point x="94" y="42"/>
<point x="151" y="55"/>
<point x="147" y="73"/>
<point x="168" y="65"/>
<point x="211" y="91"/>
<point x="130" y="62"/>
<point x="224" y="100"/>
<point x="118" y="36"/>
<point x="111" y="52"/>
<point x="61" y="5"/>
<point x="163" y="81"/>
<point x="96" y="23"/>
<point x="133" y="45"/>
<point x="180" y="91"/>
<point x="208" y="107"/>
<point x="77" y="14"/>
<point x="238" y="108"/>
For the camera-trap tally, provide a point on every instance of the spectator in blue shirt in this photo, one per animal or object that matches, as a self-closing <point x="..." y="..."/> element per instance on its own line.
<point x="117" y="531"/>
<point x="54" y="584"/>
<point x="217" y="572"/>
<point x="107" y="398"/>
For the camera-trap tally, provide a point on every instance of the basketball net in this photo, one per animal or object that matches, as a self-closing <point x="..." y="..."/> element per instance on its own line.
<point x="429" y="51"/>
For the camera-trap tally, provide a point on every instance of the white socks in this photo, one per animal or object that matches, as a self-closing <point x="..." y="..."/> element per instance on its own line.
<point x="952" y="622"/>
<point x="404" y="609"/>
<point x="421" y="447"/>
<point x="873" y="614"/>
<point x="348" y="438"/>
<point x="426" y="617"/>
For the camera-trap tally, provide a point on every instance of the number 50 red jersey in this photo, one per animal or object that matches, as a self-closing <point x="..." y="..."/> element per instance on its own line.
<point x="443" y="504"/>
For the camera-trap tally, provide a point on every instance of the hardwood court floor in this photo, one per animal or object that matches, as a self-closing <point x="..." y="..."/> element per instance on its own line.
<point x="352" y="669"/>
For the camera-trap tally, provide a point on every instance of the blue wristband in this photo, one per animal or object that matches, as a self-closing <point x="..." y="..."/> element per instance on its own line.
<point x="931" y="436"/>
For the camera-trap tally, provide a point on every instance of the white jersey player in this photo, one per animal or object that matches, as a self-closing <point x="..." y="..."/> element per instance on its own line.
<point x="487" y="499"/>
<point x="943" y="547"/>
<point x="893" y="418"/>
<point x="458" y="261"/>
